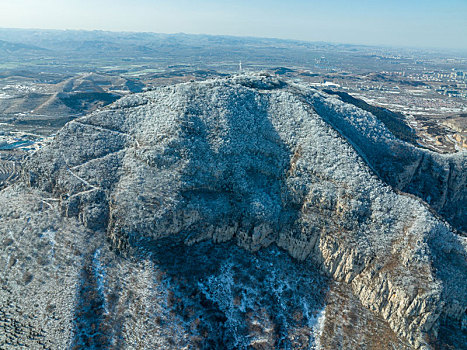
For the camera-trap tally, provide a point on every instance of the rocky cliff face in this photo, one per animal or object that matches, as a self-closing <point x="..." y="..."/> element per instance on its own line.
<point x="211" y="171"/>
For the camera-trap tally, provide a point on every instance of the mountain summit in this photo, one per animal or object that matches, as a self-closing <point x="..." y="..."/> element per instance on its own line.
<point x="245" y="212"/>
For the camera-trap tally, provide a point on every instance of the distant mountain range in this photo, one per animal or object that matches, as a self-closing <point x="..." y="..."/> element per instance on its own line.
<point x="18" y="48"/>
<point x="193" y="49"/>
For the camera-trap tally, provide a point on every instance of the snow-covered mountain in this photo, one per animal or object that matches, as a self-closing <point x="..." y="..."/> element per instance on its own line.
<point x="245" y="212"/>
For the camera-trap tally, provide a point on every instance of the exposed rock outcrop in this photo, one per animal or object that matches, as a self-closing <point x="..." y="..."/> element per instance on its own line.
<point x="258" y="162"/>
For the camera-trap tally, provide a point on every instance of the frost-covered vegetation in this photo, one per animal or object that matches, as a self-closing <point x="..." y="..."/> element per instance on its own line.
<point x="223" y="200"/>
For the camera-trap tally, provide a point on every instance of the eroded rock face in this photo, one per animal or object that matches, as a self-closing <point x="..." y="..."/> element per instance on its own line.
<point x="62" y="288"/>
<point x="255" y="161"/>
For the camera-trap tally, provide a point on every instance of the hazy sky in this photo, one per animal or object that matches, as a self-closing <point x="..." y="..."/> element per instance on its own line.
<point x="419" y="23"/>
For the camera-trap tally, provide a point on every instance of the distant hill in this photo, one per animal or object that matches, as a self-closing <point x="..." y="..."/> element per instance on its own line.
<point x="14" y="47"/>
<point x="77" y="95"/>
